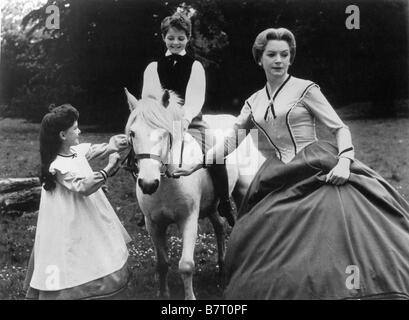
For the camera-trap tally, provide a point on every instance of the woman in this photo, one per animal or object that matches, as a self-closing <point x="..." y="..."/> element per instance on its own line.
<point x="179" y="72"/>
<point x="315" y="223"/>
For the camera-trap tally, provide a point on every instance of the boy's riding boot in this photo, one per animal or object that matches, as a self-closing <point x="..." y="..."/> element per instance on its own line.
<point x="218" y="173"/>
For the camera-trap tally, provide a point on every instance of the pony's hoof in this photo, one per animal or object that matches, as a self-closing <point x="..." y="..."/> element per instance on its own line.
<point x="163" y="295"/>
<point x="221" y="281"/>
<point x="141" y="223"/>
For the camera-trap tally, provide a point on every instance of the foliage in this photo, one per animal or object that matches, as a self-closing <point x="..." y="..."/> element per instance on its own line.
<point x="104" y="45"/>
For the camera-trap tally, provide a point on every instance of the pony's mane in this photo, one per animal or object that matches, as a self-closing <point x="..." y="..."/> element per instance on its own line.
<point x="151" y="110"/>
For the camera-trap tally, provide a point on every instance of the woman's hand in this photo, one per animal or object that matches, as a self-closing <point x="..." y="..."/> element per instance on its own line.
<point x="185" y="170"/>
<point x="340" y="173"/>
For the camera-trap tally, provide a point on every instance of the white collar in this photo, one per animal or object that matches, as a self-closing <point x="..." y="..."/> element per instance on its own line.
<point x="181" y="53"/>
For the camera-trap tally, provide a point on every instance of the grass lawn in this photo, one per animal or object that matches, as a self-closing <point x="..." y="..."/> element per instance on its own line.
<point x="381" y="144"/>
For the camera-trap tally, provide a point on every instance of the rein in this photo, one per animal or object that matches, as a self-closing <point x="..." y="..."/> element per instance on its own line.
<point x="131" y="160"/>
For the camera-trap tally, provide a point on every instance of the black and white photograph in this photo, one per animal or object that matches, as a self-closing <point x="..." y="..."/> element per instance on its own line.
<point x="220" y="150"/>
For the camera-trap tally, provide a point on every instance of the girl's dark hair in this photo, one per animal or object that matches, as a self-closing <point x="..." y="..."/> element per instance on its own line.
<point x="58" y="119"/>
<point x="178" y="21"/>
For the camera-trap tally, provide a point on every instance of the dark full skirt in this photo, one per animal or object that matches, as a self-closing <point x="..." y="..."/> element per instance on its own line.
<point x="298" y="237"/>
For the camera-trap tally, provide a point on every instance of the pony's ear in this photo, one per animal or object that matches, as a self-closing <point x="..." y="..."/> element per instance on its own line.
<point x="132" y="101"/>
<point x="165" y="98"/>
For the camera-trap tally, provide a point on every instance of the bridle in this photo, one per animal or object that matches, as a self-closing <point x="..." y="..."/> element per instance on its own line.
<point x="132" y="159"/>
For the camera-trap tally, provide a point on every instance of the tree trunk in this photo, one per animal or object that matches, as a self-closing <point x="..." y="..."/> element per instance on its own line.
<point x="18" y="195"/>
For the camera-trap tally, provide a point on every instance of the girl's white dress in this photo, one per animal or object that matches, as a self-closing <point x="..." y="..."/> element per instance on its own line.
<point x="79" y="238"/>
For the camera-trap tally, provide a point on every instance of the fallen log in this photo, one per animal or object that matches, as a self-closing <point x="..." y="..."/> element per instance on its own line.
<point x="19" y="195"/>
<point x="16" y="184"/>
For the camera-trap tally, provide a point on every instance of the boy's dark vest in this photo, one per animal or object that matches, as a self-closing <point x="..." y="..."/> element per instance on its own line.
<point x="174" y="73"/>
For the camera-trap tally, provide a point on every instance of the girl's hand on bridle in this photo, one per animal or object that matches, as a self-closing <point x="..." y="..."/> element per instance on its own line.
<point x="339" y="175"/>
<point x="120" y="141"/>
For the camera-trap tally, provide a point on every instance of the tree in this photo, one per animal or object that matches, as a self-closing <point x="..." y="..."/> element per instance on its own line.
<point x="105" y="45"/>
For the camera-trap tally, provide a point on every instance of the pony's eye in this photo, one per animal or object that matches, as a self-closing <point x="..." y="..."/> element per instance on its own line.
<point x="132" y="134"/>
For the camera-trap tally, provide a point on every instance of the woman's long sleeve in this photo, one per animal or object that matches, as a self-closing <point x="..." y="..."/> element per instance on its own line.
<point x="319" y="106"/>
<point x="232" y="139"/>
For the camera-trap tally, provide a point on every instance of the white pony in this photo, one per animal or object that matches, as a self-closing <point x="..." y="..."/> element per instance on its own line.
<point x="155" y="133"/>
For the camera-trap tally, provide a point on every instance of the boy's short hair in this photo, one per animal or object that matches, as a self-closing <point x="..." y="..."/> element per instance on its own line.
<point x="178" y="21"/>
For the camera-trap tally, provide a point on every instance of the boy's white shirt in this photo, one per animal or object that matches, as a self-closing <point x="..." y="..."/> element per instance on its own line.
<point x="195" y="90"/>
<point x="181" y="53"/>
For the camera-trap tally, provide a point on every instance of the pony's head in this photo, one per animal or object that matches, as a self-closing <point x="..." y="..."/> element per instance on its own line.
<point x="154" y="124"/>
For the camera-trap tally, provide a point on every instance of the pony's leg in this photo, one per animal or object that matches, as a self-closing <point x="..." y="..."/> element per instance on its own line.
<point x="220" y="238"/>
<point x="186" y="262"/>
<point x="158" y="236"/>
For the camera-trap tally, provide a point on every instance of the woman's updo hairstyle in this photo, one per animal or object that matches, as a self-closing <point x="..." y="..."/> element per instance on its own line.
<point x="273" y="34"/>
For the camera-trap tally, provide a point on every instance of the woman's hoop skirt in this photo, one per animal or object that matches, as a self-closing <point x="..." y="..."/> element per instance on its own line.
<point x="299" y="238"/>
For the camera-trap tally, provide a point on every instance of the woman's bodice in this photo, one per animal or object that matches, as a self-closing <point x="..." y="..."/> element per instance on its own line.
<point x="287" y="117"/>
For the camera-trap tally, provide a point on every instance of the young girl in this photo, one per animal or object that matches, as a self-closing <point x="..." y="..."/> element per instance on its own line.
<point x="80" y="245"/>
<point x="179" y="72"/>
